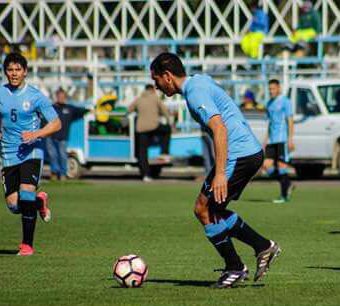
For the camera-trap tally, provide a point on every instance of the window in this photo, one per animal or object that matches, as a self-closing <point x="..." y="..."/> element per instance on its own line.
<point x="331" y="97"/>
<point x="306" y="103"/>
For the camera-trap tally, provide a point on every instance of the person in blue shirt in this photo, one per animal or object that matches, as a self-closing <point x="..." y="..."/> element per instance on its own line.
<point x="259" y="27"/>
<point x="238" y="157"/>
<point x="279" y="139"/>
<point x="21" y="108"/>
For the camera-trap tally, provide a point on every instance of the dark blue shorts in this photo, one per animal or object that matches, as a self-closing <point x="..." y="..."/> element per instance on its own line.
<point x="245" y="169"/>
<point x="27" y="172"/>
<point x="278" y="152"/>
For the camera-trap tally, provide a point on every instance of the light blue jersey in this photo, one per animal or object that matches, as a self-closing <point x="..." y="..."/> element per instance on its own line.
<point x="21" y="110"/>
<point x="279" y="110"/>
<point x="205" y="99"/>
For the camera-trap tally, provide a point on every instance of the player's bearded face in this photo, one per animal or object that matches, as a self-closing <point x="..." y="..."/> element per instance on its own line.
<point x="164" y="83"/>
<point x="15" y="74"/>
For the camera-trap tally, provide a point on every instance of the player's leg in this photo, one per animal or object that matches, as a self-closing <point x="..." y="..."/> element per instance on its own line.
<point x="10" y="183"/>
<point x="269" y="167"/>
<point x="30" y="174"/>
<point x="270" y="164"/>
<point x="217" y="232"/>
<point x="12" y="202"/>
<point x="265" y="250"/>
<point x="286" y="185"/>
<point x="27" y="198"/>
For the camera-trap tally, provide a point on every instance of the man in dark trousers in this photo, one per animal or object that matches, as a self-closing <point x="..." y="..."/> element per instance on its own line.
<point x="150" y="108"/>
<point x="56" y="144"/>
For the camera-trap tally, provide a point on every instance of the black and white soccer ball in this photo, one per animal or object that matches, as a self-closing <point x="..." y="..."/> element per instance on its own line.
<point x="130" y="271"/>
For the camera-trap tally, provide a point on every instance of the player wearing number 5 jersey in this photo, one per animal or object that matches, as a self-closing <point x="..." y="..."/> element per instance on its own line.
<point x="21" y="108"/>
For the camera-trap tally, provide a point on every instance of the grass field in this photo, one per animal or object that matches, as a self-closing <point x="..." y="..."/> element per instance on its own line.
<point x="94" y="223"/>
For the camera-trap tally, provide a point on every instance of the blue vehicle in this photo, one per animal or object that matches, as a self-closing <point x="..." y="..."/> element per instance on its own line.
<point x="87" y="146"/>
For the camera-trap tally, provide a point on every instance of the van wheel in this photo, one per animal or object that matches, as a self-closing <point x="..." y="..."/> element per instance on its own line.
<point x="74" y="169"/>
<point x="309" y="171"/>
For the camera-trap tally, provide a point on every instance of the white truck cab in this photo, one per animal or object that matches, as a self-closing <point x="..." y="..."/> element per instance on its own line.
<point x="316" y="106"/>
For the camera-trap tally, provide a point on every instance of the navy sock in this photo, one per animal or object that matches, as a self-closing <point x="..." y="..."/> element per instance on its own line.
<point x="243" y="232"/>
<point x="29" y="215"/>
<point x="284" y="182"/>
<point x="217" y="233"/>
<point x="38" y="203"/>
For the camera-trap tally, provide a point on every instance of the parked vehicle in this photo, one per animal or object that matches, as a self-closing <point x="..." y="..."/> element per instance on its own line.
<point x="316" y="105"/>
<point x="88" y="146"/>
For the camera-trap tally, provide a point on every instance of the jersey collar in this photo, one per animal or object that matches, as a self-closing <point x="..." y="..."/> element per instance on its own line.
<point x="16" y="91"/>
<point x="185" y="85"/>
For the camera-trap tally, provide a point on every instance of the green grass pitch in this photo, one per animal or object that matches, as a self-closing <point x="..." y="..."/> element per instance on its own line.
<point x="94" y="223"/>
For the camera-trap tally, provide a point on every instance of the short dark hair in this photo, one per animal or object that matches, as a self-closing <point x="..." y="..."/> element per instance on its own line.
<point x="254" y="4"/>
<point x="168" y="62"/>
<point x="60" y="90"/>
<point x="149" y="87"/>
<point x="16" y="58"/>
<point x="274" y="81"/>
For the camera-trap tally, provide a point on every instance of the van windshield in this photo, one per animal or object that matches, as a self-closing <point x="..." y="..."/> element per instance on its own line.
<point x="331" y="97"/>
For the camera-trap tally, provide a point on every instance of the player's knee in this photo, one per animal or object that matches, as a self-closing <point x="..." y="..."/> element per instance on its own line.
<point x="268" y="163"/>
<point x="12" y="203"/>
<point x="201" y="208"/>
<point x="14" y="208"/>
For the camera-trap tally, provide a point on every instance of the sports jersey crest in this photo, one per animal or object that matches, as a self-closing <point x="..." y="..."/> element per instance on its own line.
<point x="26" y="105"/>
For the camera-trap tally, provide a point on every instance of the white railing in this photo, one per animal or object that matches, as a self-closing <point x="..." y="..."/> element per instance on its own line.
<point x="113" y="22"/>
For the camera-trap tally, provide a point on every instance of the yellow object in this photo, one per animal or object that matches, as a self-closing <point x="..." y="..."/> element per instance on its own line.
<point x="104" y="106"/>
<point x="251" y="43"/>
<point x="303" y="35"/>
<point x="29" y="51"/>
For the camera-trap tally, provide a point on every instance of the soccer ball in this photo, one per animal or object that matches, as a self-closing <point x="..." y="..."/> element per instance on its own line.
<point x="130" y="271"/>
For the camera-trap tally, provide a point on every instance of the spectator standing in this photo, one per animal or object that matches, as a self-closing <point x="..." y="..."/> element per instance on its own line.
<point x="56" y="144"/>
<point x="149" y="110"/>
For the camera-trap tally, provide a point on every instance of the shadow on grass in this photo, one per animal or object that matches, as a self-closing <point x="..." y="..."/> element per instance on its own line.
<point x="334" y="232"/>
<point x="187" y="283"/>
<point x="263" y="201"/>
<point x="324" y="268"/>
<point x="195" y="283"/>
<point x="8" y="252"/>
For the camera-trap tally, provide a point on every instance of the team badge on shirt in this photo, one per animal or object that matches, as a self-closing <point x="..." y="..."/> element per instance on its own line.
<point x="26" y="105"/>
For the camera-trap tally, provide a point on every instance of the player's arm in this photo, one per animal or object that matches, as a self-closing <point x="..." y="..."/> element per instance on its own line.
<point x="290" y="121"/>
<point x="49" y="129"/>
<point x="266" y="135"/>
<point x="45" y="108"/>
<point x="291" y="145"/>
<point x="220" y="183"/>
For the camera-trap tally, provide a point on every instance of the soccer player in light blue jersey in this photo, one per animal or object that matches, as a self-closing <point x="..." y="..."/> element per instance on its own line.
<point x="238" y="157"/>
<point x="279" y="140"/>
<point x="21" y="109"/>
